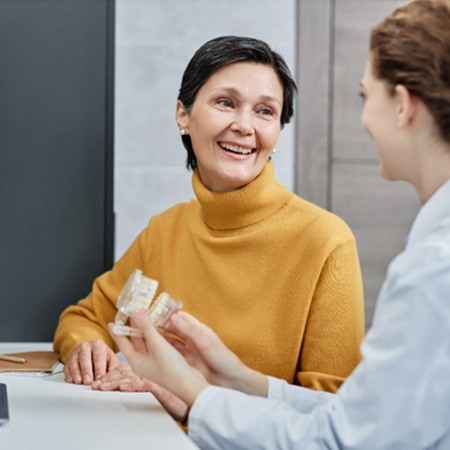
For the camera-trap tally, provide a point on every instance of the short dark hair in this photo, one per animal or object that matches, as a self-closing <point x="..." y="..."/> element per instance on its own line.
<point x="225" y="50"/>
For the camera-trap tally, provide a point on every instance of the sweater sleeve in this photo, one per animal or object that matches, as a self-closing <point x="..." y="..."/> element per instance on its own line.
<point x="335" y="325"/>
<point x="88" y="320"/>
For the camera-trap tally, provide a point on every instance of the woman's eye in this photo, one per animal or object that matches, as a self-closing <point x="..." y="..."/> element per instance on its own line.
<point x="225" y="102"/>
<point x="265" y="111"/>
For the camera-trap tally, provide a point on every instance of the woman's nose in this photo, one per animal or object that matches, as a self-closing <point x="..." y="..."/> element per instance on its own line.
<point x="243" y="122"/>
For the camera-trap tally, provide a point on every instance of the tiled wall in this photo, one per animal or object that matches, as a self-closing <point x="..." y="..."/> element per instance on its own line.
<point x="154" y="41"/>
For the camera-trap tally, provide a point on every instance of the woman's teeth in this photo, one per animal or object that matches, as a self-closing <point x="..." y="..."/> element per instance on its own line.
<point x="236" y="149"/>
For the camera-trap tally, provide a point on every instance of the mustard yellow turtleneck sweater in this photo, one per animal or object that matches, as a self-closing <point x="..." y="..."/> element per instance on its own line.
<point x="275" y="276"/>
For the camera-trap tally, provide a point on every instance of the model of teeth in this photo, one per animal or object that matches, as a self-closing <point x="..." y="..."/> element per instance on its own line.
<point x="236" y="149"/>
<point x="138" y="293"/>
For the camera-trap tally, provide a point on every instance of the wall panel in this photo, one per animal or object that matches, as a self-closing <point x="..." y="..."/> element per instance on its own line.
<point x="337" y="164"/>
<point x="56" y="117"/>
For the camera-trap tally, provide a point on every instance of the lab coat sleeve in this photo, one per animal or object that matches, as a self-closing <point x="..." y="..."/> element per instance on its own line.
<point x="222" y="418"/>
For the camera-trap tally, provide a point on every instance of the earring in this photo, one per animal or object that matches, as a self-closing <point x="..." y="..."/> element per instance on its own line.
<point x="182" y="132"/>
<point x="274" y="150"/>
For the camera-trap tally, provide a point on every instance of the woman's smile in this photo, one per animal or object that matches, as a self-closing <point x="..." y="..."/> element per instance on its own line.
<point x="237" y="149"/>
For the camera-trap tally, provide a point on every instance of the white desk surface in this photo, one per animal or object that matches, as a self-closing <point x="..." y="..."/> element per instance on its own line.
<point x="47" y="413"/>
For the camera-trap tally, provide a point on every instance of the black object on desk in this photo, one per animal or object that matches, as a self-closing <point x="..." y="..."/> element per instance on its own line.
<point x="4" y="415"/>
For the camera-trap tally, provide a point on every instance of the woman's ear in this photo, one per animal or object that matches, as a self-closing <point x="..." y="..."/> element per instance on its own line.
<point x="406" y="105"/>
<point x="182" y="117"/>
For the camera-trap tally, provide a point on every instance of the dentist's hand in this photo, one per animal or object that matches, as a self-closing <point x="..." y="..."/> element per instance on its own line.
<point x="155" y="359"/>
<point x="204" y="350"/>
<point x="187" y="366"/>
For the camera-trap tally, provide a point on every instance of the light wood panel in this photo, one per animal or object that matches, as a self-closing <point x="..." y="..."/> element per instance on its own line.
<point x="380" y="215"/>
<point x="352" y="22"/>
<point x="337" y="166"/>
<point x="313" y="107"/>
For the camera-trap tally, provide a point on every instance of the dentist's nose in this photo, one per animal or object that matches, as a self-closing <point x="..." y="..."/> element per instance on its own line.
<point x="242" y="122"/>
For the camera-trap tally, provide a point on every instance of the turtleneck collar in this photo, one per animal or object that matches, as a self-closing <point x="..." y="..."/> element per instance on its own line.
<point x="241" y="207"/>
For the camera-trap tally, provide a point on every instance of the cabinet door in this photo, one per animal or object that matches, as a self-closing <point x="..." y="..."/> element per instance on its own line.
<point x="56" y="118"/>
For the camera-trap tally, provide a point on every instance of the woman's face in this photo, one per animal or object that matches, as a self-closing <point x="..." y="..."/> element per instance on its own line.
<point x="380" y="118"/>
<point x="234" y="124"/>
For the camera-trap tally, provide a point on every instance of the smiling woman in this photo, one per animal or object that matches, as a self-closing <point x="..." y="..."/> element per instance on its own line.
<point x="276" y="277"/>
<point x="234" y="124"/>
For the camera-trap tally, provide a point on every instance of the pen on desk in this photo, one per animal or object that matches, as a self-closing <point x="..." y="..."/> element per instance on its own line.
<point x="14" y="359"/>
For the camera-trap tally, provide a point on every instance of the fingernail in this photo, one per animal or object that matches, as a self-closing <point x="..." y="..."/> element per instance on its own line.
<point x="87" y="379"/>
<point x="175" y="318"/>
<point x="77" y="379"/>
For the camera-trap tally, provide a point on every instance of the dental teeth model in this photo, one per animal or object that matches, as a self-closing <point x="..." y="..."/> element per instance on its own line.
<point x="138" y="292"/>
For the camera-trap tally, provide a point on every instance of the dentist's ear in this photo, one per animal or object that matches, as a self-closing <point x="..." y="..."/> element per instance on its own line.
<point x="406" y="105"/>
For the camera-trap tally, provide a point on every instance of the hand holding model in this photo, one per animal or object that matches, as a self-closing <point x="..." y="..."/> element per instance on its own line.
<point x="187" y="367"/>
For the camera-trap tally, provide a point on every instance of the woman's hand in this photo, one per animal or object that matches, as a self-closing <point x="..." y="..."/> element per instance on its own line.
<point x="121" y="378"/>
<point x="203" y="350"/>
<point x="124" y="379"/>
<point x="88" y="362"/>
<point x="153" y="358"/>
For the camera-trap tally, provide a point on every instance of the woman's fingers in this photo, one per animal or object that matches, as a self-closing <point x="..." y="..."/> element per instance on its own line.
<point x="124" y="344"/>
<point x="189" y="328"/>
